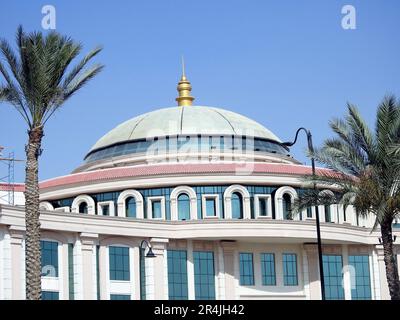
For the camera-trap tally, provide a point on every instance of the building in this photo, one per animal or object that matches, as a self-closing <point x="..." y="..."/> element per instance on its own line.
<point x="211" y="191"/>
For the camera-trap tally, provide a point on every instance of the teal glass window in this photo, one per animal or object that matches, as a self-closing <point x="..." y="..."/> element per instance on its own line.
<point x="332" y="266"/>
<point x="183" y="207"/>
<point x="361" y="289"/>
<point x="246" y="269"/>
<point x="71" y="271"/>
<point x="49" y="251"/>
<point x="237" y="206"/>
<point x="120" y="297"/>
<point x="263" y="206"/>
<point x="287" y="206"/>
<point x="290" y="277"/>
<point x="119" y="263"/>
<point x="105" y="210"/>
<point x="328" y="217"/>
<point x="156" y="209"/>
<point x="204" y="275"/>
<point x="142" y="274"/>
<point x="130" y="207"/>
<point x="268" y="269"/>
<point x="83" y="207"/>
<point x="50" y="295"/>
<point x="177" y="275"/>
<point x="210" y="207"/>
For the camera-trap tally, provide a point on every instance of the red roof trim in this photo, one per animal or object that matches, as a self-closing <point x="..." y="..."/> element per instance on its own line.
<point x="18" y="187"/>
<point x="178" y="169"/>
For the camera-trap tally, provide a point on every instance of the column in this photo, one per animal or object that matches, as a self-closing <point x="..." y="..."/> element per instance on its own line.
<point x="384" y="288"/>
<point x="89" y="276"/>
<point x="159" y="246"/>
<point x="190" y="270"/>
<point x="313" y="271"/>
<point x="103" y="273"/>
<point x="229" y="248"/>
<point x="346" y="273"/>
<point x="16" y="242"/>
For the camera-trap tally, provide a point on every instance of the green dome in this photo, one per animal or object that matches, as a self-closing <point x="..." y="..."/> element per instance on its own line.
<point x="188" y="120"/>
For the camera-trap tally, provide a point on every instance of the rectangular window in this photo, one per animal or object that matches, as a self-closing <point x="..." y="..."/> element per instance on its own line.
<point x="177" y="275"/>
<point x="246" y="269"/>
<point x="268" y="269"/>
<point x="361" y="289"/>
<point x="49" y="258"/>
<point x="71" y="270"/>
<point x="290" y="269"/>
<point x="120" y="297"/>
<point x="119" y="263"/>
<point x="50" y="295"/>
<point x="332" y="265"/>
<point x="263" y="206"/>
<point x="210" y="207"/>
<point x="105" y="210"/>
<point x="204" y="275"/>
<point x="309" y="212"/>
<point x="156" y="209"/>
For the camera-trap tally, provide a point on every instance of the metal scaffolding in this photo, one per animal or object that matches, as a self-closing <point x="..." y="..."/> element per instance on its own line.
<point x="8" y="179"/>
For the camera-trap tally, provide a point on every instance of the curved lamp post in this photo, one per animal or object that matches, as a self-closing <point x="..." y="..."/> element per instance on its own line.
<point x="311" y="150"/>
<point x="150" y="253"/>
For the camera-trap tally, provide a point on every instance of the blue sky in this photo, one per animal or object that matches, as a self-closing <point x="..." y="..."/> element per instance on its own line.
<point x="283" y="63"/>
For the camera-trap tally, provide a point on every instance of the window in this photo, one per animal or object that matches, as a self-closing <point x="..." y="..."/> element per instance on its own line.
<point x="177" y="275"/>
<point x="268" y="269"/>
<point x="156" y="209"/>
<point x="83" y="207"/>
<point x="246" y="269"/>
<point x="105" y="210"/>
<point x="50" y="295"/>
<point x="71" y="271"/>
<point x="361" y="289"/>
<point x="328" y="217"/>
<point x="290" y="269"/>
<point x="332" y="266"/>
<point x="204" y="275"/>
<point x="287" y="206"/>
<point x="210" y="204"/>
<point x="263" y="206"/>
<point x="120" y="297"/>
<point x="142" y="274"/>
<point x="49" y="258"/>
<point x="130" y="207"/>
<point x="237" y="206"/>
<point x="210" y="207"/>
<point x="119" y="263"/>
<point x="183" y="207"/>
<point x="309" y="212"/>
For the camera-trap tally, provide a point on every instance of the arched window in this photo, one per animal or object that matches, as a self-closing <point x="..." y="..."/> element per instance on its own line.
<point x="328" y="217"/>
<point x="183" y="207"/>
<point x="237" y="206"/>
<point x="130" y="207"/>
<point x="287" y="206"/>
<point x="83" y="207"/>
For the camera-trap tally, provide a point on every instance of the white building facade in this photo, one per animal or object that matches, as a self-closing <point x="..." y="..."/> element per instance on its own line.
<point x="211" y="191"/>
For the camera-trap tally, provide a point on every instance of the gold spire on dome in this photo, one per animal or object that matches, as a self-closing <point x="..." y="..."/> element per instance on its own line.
<point x="184" y="88"/>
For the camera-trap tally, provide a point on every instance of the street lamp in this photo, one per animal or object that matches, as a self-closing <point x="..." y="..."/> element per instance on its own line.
<point x="311" y="151"/>
<point x="150" y="253"/>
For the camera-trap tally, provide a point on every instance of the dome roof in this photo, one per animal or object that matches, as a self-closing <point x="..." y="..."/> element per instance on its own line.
<point x="187" y="120"/>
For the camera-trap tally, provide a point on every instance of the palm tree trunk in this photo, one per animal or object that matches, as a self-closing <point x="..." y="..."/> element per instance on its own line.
<point x="392" y="274"/>
<point x="32" y="248"/>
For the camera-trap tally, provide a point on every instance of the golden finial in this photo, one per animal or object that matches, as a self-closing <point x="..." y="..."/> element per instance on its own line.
<point x="184" y="88"/>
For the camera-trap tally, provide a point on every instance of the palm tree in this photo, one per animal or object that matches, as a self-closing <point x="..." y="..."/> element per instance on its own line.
<point x="37" y="83"/>
<point x="365" y="173"/>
